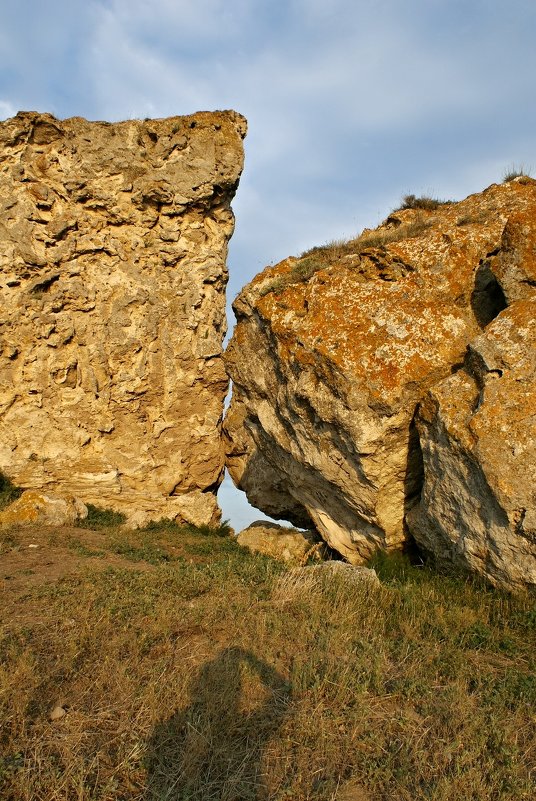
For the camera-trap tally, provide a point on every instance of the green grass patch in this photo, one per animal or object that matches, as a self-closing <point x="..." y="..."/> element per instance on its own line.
<point x="8" y="491"/>
<point x="81" y="549"/>
<point x="98" y="518"/>
<point x="423" y="202"/>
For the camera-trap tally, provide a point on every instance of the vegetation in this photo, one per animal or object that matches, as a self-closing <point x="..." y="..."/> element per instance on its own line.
<point x="186" y="668"/>
<point x="473" y="219"/>
<point x="332" y="253"/>
<point x="8" y="491"/>
<point x="424" y="202"/>
<point x="101" y="518"/>
<point x="515" y="172"/>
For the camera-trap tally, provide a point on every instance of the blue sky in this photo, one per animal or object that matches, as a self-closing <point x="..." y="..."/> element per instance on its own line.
<point x="351" y="103"/>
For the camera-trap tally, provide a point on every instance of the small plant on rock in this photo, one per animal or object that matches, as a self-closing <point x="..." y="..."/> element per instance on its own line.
<point x="425" y="203"/>
<point x="515" y="172"/>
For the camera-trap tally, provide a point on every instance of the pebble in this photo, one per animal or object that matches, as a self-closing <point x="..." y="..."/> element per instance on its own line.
<point x="57" y="712"/>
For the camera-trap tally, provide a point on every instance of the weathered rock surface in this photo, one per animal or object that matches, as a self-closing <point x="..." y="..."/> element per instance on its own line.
<point x="284" y="544"/>
<point x="113" y="240"/>
<point x="478" y="435"/>
<point x="477" y="431"/>
<point x="332" y="354"/>
<point x="350" y="575"/>
<point x="47" y="509"/>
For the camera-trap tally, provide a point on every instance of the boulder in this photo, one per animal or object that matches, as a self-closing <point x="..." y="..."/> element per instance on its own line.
<point x="284" y="544"/>
<point x="349" y="575"/>
<point x="113" y="243"/>
<point x="43" y="508"/>
<point x="477" y="431"/>
<point x="334" y="350"/>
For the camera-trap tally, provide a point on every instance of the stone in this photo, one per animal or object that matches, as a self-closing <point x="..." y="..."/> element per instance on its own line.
<point x="112" y="286"/>
<point x="283" y="544"/>
<point x="333" y="351"/>
<point x="350" y="575"/>
<point x="477" y="431"/>
<point x="43" y="508"/>
<point x="57" y="713"/>
<point x="248" y="467"/>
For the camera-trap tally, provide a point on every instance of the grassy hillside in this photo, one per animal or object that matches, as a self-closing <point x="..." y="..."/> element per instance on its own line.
<point x="181" y="667"/>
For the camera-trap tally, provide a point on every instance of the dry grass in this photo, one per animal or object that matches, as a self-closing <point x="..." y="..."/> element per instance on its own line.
<point x="345" y="251"/>
<point x="515" y="171"/>
<point x="192" y="670"/>
<point x="424" y="202"/>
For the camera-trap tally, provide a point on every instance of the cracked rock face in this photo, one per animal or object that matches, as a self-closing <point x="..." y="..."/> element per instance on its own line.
<point x="478" y="434"/>
<point x="333" y="353"/>
<point x="112" y="280"/>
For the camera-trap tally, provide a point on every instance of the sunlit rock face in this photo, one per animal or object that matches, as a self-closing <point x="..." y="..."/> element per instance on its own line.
<point x="334" y="352"/>
<point x="112" y="280"/>
<point x="478" y="434"/>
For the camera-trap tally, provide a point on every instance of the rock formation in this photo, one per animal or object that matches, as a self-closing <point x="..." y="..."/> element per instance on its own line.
<point x="333" y="353"/>
<point x="284" y="544"/>
<point x="112" y="278"/>
<point x="478" y="434"/>
<point x="44" y="509"/>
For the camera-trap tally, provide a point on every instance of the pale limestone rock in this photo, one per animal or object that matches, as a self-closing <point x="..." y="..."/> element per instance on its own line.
<point x="478" y="436"/>
<point x="330" y="357"/>
<point x="284" y="544"/>
<point x="351" y="575"/>
<point x="112" y="279"/>
<point x="43" y="508"/>
<point x="248" y="467"/>
<point x="515" y="264"/>
<point x="57" y="713"/>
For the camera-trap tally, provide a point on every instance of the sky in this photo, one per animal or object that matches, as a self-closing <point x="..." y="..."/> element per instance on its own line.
<point x="351" y="104"/>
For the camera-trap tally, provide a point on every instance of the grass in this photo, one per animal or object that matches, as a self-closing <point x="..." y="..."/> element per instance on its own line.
<point x="324" y="256"/>
<point x="473" y="219"/>
<point x="515" y="171"/>
<point x="8" y="492"/>
<point x="98" y="517"/>
<point x="424" y="202"/>
<point x="195" y="670"/>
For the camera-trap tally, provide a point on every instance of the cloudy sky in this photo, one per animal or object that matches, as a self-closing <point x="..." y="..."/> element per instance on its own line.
<point x="351" y="103"/>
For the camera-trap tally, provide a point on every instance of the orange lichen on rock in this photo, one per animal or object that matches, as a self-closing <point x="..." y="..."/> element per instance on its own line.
<point x="478" y="434"/>
<point x="333" y="351"/>
<point x="44" y="508"/>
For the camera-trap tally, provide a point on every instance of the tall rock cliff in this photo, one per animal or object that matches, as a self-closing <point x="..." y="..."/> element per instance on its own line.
<point x="368" y="378"/>
<point x="112" y="281"/>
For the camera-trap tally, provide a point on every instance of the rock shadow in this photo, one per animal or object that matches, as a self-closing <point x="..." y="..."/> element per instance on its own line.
<point x="413" y="487"/>
<point x="487" y="299"/>
<point x="213" y="749"/>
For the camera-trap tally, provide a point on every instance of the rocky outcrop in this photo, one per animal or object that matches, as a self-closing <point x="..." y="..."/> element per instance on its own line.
<point x="45" y="509"/>
<point x="112" y="278"/>
<point x="334" y="351"/>
<point x="478" y="435"/>
<point x="284" y="544"/>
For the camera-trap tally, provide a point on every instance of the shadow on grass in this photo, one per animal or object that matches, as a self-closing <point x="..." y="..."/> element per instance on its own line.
<point x="213" y="749"/>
